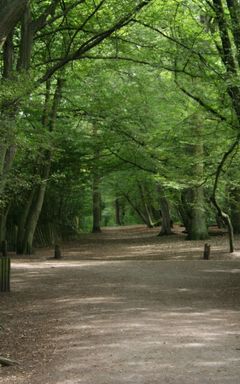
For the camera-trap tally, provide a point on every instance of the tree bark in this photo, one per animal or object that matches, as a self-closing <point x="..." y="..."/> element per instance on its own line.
<point x="10" y="13"/>
<point x="224" y="216"/>
<point x="34" y="213"/>
<point x="96" y="203"/>
<point x="3" y="220"/>
<point x="198" y="229"/>
<point x="229" y="47"/>
<point x="147" y="215"/>
<point x="22" y="223"/>
<point x="166" y="227"/>
<point x="235" y="209"/>
<point x="196" y="200"/>
<point x="7" y="116"/>
<point x="26" y="40"/>
<point x="135" y="208"/>
<point x="118" y="211"/>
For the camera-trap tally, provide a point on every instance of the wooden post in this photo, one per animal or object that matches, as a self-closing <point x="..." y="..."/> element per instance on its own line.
<point x="5" y="267"/>
<point x="57" y="252"/>
<point x="206" y="253"/>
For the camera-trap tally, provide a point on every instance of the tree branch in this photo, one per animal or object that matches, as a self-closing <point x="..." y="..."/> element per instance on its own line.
<point x="207" y="107"/>
<point x="116" y="154"/>
<point x="138" y="61"/>
<point x="41" y="22"/>
<point x="94" y="41"/>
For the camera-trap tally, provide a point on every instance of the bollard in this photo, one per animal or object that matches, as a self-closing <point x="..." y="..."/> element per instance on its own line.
<point x="57" y="252"/>
<point x="5" y="267"/>
<point x="206" y="253"/>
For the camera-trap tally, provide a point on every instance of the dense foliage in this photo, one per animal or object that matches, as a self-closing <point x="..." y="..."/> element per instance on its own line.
<point x="116" y="113"/>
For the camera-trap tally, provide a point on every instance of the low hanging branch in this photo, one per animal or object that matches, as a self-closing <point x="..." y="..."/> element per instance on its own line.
<point x="224" y="216"/>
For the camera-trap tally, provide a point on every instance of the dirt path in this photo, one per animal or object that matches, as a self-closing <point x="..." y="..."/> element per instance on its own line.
<point x="115" y="311"/>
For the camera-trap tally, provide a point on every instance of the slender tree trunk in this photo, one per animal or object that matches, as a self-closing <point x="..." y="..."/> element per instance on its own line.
<point x="235" y="209"/>
<point x="118" y="211"/>
<point x="147" y="215"/>
<point x="184" y="211"/>
<point x="96" y="203"/>
<point x="224" y="216"/>
<point x="96" y="180"/>
<point x="166" y="227"/>
<point x="136" y="209"/>
<point x="34" y="213"/>
<point x="22" y="223"/>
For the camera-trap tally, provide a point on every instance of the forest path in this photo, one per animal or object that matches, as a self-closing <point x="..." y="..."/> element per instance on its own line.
<point x="92" y="320"/>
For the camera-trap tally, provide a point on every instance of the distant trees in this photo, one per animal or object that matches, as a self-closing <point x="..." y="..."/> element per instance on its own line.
<point x="38" y="41"/>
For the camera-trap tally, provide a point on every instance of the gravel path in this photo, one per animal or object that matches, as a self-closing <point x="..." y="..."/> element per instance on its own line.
<point x="122" y="321"/>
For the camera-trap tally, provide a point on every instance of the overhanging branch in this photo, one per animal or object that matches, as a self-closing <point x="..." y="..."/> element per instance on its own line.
<point x="94" y="41"/>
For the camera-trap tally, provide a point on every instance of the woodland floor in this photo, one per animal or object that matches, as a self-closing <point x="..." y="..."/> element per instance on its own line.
<point x="124" y="307"/>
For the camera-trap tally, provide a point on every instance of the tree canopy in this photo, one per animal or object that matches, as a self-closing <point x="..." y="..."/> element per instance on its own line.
<point x="118" y="112"/>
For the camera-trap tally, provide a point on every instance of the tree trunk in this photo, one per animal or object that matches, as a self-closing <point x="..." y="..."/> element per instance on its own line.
<point x="118" y="212"/>
<point x="10" y="13"/>
<point x="193" y="213"/>
<point x="147" y="215"/>
<point x="3" y="221"/>
<point x="198" y="227"/>
<point x="166" y="227"/>
<point x="235" y="209"/>
<point x="184" y="211"/>
<point x="22" y="223"/>
<point x="8" y="117"/>
<point x="26" y="40"/>
<point x="135" y="208"/>
<point x="34" y="213"/>
<point x="96" y="204"/>
<point x="224" y="216"/>
<point x="226" y="219"/>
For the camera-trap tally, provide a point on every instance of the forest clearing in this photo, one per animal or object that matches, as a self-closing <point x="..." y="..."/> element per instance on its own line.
<point x="130" y="307"/>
